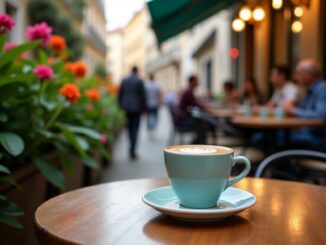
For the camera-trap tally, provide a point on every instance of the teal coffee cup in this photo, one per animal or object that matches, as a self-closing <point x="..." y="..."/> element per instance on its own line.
<point x="200" y="173"/>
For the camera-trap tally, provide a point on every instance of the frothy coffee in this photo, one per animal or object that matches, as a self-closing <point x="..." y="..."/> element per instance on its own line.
<point x="198" y="149"/>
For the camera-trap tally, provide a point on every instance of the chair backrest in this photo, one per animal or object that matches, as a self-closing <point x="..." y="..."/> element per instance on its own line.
<point x="289" y="154"/>
<point x="202" y="115"/>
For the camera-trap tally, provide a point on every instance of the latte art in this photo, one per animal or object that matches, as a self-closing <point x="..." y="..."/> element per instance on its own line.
<point x="198" y="150"/>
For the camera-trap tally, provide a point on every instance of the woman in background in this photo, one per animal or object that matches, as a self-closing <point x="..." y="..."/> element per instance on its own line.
<point x="251" y="95"/>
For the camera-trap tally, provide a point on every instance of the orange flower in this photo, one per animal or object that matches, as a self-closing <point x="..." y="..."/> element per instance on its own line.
<point x="51" y="60"/>
<point x="71" y="92"/>
<point x="80" y="69"/>
<point x="58" y="43"/>
<point x="70" y="66"/>
<point x="113" y="89"/>
<point x="93" y="94"/>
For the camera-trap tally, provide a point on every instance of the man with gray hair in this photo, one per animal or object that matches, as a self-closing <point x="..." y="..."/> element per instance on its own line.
<point x="313" y="106"/>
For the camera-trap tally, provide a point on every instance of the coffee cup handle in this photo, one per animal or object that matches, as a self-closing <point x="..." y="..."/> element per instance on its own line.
<point x="243" y="174"/>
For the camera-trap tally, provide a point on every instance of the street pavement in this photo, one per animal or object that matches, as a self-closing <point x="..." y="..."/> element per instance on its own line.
<point x="150" y="163"/>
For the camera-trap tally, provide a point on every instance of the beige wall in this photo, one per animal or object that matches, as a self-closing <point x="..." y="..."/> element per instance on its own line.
<point x="94" y="19"/>
<point x="262" y="51"/>
<point x="115" y="57"/>
<point x="311" y="36"/>
<point x="134" y="42"/>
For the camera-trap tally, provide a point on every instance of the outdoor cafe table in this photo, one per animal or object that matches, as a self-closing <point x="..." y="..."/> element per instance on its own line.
<point x="113" y="213"/>
<point x="271" y="125"/>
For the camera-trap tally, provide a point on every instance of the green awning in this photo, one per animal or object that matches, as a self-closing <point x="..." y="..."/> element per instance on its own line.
<point x="170" y="17"/>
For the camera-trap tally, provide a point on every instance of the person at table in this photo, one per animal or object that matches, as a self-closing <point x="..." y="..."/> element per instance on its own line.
<point x="251" y="95"/>
<point x="313" y="106"/>
<point x="231" y="95"/>
<point x="183" y="116"/>
<point x="285" y="90"/>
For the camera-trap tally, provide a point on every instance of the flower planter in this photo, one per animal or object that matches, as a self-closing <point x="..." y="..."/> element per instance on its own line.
<point x="34" y="189"/>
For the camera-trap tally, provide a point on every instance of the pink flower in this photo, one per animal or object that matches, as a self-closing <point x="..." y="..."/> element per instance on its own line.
<point x="43" y="72"/>
<point x="6" y="23"/>
<point x="103" y="139"/>
<point x="41" y="32"/>
<point x="9" y="45"/>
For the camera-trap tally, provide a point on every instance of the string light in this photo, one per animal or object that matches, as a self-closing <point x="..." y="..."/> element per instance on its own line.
<point x="277" y="4"/>
<point x="238" y="25"/>
<point x="245" y="13"/>
<point x="298" y="11"/>
<point x="258" y="14"/>
<point x="296" y="26"/>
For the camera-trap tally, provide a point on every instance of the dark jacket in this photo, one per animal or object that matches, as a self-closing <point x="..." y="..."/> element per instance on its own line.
<point x="132" y="96"/>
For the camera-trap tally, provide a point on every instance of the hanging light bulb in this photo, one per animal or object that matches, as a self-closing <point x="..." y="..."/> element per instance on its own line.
<point x="258" y="14"/>
<point x="238" y="25"/>
<point x="245" y="13"/>
<point x="298" y="11"/>
<point x="296" y="26"/>
<point x="277" y="4"/>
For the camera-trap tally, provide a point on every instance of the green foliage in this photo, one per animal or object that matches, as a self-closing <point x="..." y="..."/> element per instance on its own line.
<point x="35" y="120"/>
<point x="101" y="71"/>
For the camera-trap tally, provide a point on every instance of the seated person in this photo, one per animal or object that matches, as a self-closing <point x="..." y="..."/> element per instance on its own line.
<point x="183" y="116"/>
<point x="285" y="90"/>
<point x="313" y="106"/>
<point x="251" y="95"/>
<point x="231" y="95"/>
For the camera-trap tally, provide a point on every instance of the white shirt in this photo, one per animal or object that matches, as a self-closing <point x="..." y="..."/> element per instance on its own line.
<point x="288" y="93"/>
<point x="153" y="93"/>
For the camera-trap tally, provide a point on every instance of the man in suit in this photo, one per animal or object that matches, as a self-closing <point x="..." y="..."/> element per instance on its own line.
<point x="132" y="100"/>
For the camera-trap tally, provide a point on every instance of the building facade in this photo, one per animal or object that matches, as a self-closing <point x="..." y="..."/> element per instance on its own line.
<point x="94" y="31"/>
<point x="134" y="42"/>
<point x="115" y="55"/>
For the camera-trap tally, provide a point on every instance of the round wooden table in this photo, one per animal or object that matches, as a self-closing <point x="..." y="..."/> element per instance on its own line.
<point x="113" y="213"/>
<point x="270" y="126"/>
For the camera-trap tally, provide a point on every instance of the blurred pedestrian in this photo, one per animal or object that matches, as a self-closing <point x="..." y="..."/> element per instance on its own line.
<point x="153" y="98"/>
<point x="285" y="90"/>
<point x="132" y="100"/>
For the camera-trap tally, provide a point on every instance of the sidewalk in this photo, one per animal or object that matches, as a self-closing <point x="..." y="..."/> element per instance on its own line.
<point x="150" y="151"/>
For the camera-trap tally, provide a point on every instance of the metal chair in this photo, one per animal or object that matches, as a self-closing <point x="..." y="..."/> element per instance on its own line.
<point x="177" y="129"/>
<point x="301" y="172"/>
<point x="199" y="114"/>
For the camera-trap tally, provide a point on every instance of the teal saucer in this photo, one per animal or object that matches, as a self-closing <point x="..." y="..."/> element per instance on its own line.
<point x="232" y="201"/>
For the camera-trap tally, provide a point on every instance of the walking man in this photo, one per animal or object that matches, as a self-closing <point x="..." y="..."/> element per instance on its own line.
<point x="132" y="100"/>
<point x="153" y="98"/>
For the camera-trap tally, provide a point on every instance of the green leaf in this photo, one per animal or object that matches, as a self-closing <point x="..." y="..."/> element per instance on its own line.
<point x="15" y="79"/>
<point x="10" y="208"/>
<point x="3" y="39"/>
<point x="3" y="117"/>
<point x="64" y="159"/>
<point x="83" y="130"/>
<point x="10" y="181"/>
<point x="89" y="162"/>
<point x="50" y="172"/>
<point x="13" y="53"/>
<point x="4" y="169"/>
<point x="10" y="220"/>
<point x="43" y="58"/>
<point x="71" y="137"/>
<point x="83" y="143"/>
<point x="12" y="143"/>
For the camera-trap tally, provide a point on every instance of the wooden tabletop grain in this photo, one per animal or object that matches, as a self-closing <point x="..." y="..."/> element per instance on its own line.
<point x="272" y="122"/>
<point x="113" y="213"/>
